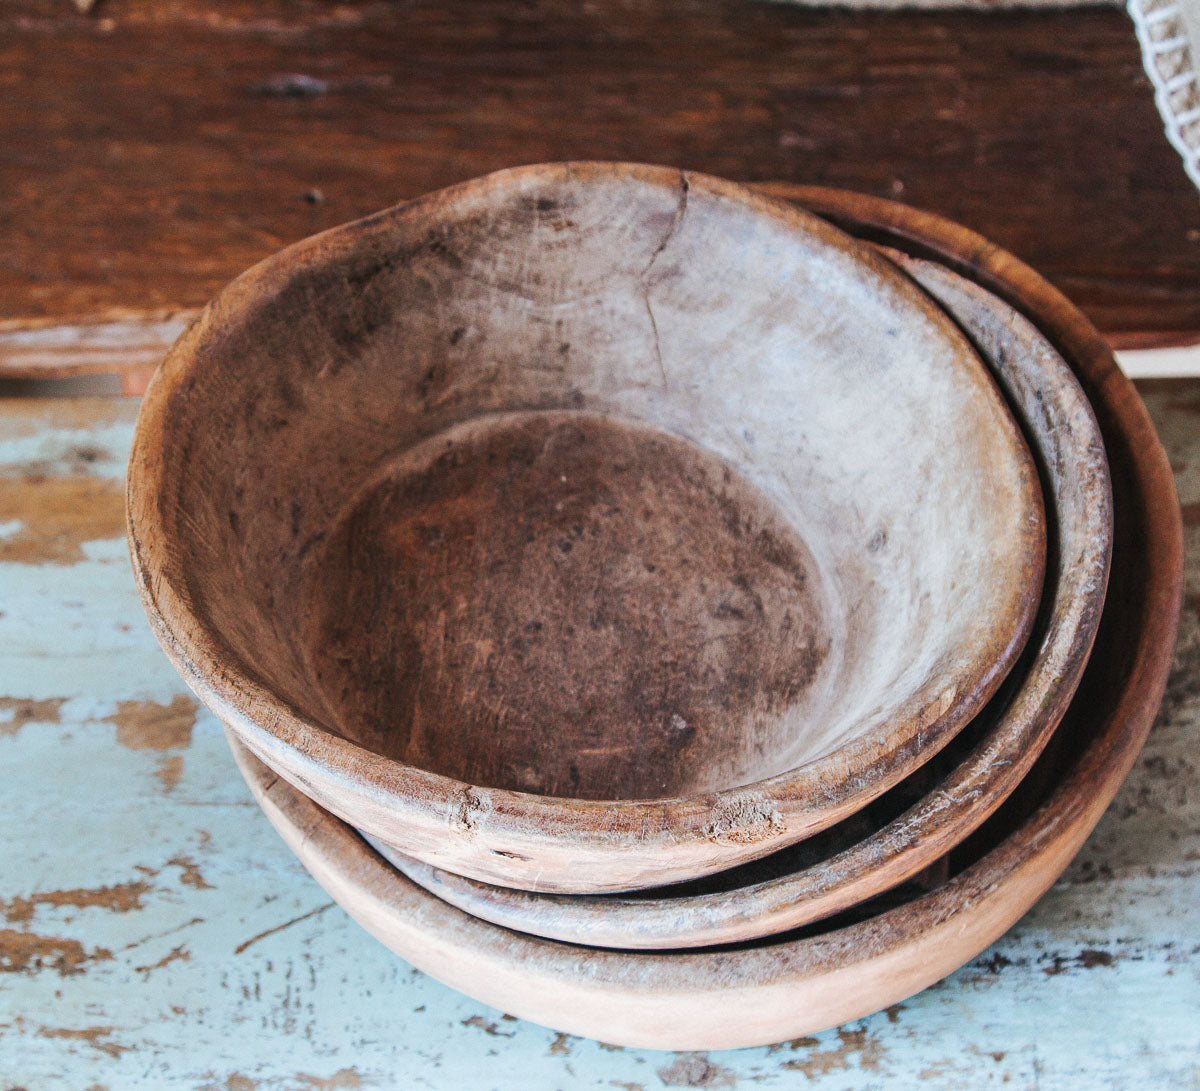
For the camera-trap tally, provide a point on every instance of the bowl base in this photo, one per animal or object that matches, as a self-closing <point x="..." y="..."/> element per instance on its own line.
<point x="569" y="604"/>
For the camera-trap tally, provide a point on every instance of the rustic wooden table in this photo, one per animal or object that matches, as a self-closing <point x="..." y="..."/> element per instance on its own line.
<point x="157" y="932"/>
<point x="151" y="151"/>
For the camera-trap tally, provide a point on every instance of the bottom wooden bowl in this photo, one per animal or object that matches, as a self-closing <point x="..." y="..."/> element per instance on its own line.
<point x="800" y="982"/>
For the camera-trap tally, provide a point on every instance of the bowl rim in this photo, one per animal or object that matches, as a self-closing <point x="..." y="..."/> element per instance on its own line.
<point x="726" y="826"/>
<point x="789" y="987"/>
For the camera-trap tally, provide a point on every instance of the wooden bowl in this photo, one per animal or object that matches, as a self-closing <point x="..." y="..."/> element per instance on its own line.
<point x="908" y="828"/>
<point x="791" y="985"/>
<point x="585" y="526"/>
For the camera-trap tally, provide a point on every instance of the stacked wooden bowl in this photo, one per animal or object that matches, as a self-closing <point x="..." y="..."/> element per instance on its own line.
<point x="680" y="614"/>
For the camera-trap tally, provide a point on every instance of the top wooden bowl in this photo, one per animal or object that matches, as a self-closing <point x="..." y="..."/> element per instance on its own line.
<point x="585" y="526"/>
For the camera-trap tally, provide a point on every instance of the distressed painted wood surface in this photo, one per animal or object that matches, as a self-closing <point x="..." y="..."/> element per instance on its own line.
<point x="155" y="932"/>
<point x="153" y="150"/>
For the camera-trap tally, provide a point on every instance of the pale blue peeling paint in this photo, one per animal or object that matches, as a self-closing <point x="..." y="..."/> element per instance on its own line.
<point x="54" y="450"/>
<point x="321" y="997"/>
<point x="106" y="551"/>
<point x="101" y="648"/>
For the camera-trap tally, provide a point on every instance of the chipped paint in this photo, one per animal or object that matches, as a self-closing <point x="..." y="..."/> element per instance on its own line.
<point x="169" y="772"/>
<point x="28" y="953"/>
<point x="57" y="515"/>
<point x="148" y="725"/>
<point x="235" y="1081"/>
<point x="488" y="1027"/>
<point x="343" y="1078"/>
<point x="696" y="1070"/>
<point x="1087" y="959"/>
<point x="16" y="712"/>
<point x="238" y="1082"/>
<point x="189" y="872"/>
<point x="855" y="1048"/>
<point x="96" y="1037"/>
<point x="118" y="898"/>
<point x="280" y="927"/>
<point x="175" y="954"/>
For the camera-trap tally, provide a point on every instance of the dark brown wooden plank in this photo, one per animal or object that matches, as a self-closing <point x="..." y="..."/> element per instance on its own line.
<point x="150" y="153"/>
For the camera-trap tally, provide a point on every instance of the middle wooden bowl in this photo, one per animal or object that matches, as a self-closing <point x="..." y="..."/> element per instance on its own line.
<point x="914" y="824"/>
<point x="585" y="526"/>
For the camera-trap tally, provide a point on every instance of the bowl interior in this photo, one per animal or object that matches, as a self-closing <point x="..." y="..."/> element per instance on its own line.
<point x="600" y="482"/>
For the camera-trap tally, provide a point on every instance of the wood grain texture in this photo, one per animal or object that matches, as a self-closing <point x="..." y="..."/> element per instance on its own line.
<point x="154" y="151"/>
<point x="244" y="976"/>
